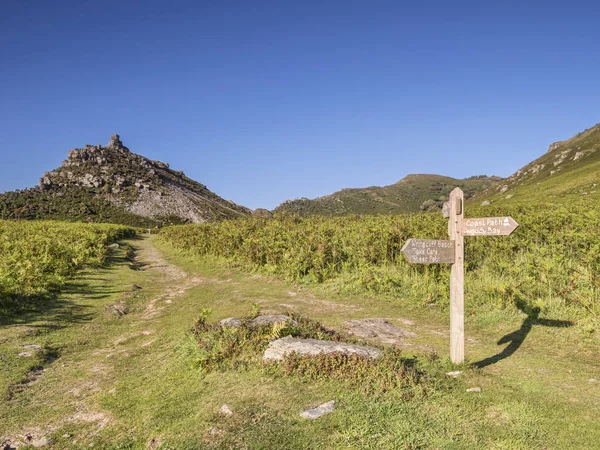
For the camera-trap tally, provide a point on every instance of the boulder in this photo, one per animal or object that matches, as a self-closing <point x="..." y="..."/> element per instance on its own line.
<point x="280" y="347"/>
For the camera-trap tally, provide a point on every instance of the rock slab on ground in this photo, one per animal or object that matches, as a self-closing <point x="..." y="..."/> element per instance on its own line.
<point x="280" y="347"/>
<point x="379" y="329"/>
<point x="225" y="410"/>
<point x="454" y="374"/>
<point x="321" y="410"/>
<point x="235" y="322"/>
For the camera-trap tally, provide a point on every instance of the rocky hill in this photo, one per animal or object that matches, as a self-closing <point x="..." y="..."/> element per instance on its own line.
<point x="412" y="193"/>
<point x="111" y="184"/>
<point x="568" y="171"/>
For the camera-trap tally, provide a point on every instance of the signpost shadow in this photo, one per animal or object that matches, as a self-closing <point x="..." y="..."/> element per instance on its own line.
<point x="517" y="337"/>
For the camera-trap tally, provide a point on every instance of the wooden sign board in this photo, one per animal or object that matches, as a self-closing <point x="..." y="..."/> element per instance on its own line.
<point x="489" y="226"/>
<point x="423" y="251"/>
<point x="429" y="251"/>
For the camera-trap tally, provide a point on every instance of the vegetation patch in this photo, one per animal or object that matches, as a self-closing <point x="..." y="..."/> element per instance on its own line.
<point x="221" y="348"/>
<point x="551" y="262"/>
<point x="38" y="258"/>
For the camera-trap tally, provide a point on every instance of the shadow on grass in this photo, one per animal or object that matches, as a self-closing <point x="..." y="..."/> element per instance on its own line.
<point x="517" y="337"/>
<point x="57" y="310"/>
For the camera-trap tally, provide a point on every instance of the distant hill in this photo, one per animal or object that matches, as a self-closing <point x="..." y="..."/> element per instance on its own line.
<point x="569" y="171"/>
<point x="412" y="193"/>
<point x="111" y="184"/>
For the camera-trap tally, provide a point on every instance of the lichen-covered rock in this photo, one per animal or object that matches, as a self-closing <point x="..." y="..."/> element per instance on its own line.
<point x="281" y="347"/>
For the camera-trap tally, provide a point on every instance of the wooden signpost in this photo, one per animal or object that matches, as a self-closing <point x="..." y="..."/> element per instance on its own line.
<point x="423" y="251"/>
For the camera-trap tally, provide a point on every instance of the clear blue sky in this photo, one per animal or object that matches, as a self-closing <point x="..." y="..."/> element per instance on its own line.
<point x="263" y="101"/>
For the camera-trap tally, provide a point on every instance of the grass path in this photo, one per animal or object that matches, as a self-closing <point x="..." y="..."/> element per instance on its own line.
<point x="113" y="370"/>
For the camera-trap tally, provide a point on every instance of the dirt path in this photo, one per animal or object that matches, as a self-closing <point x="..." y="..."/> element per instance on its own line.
<point x="80" y="376"/>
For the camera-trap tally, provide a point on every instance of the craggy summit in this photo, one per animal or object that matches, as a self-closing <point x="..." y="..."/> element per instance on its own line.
<point x="110" y="183"/>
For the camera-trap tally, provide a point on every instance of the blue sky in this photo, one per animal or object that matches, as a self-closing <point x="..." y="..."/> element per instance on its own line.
<point x="264" y="101"/>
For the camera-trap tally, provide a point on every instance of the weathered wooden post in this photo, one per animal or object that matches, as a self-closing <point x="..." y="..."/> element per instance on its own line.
<point x="423" y="251"/>
<point x="457" y="278"/>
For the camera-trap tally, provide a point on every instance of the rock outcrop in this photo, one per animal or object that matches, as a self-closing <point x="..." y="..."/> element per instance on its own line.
<point x="137" y="186"/>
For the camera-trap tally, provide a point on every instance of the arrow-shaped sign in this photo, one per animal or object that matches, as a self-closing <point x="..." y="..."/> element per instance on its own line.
<point x="428" y="251"/>
<point x="490" y="226"/>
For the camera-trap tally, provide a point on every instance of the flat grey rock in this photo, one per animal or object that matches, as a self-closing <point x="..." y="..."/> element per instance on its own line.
<point x="279" y="348"/>
<point x="454" y="374"/>
<point x="32" y="346"/>
<point x="379" y="329"/>
<point x="276" y="318"/>
<point x="474" y="389"/>
<point x="231" y="322"/>
<point x="235" y="322"/>
<point x="226" y="410"/>
<point x="41" y="442"/>
<point x="321" y="410"/>
<point x="24" y="354"/>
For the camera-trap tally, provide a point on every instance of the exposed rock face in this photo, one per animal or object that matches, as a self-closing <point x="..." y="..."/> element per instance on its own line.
<point x="281" y="347"/>
<point x="116" y="144"/>
<point x="138" y="185"/>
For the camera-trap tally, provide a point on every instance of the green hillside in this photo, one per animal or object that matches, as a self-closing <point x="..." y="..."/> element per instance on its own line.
<point x="411" y="194"/>
<point x="568" y="172"/>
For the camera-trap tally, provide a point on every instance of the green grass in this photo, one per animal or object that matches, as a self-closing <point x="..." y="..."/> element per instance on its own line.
<point x="538" y="397"/>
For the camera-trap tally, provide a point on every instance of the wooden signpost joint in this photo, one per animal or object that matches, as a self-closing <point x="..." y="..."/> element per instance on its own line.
<point x="423" y="251"/>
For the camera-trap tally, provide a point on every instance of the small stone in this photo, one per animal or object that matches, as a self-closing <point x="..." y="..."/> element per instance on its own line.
<point x="485" y="203"/>
<point x="216" y="432"/>
<point x="225" y="410"/>
<point x="67" y="436"/>
<point x="24" y="354"/>
<point x="41" y="442"/>
<point x="32" y="346"/>
<point x="592" y="380"/>
<point x="115" y="245"/>
<point x="474" y="389"/>
<point x="454" y="374"/>
<point x="321" y="410"/>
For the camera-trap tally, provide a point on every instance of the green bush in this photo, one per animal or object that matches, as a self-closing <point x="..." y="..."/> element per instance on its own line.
<point x="36" y="258"/>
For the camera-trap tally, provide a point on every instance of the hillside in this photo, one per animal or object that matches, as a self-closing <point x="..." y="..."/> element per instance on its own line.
<point x="412" y="193"/>
<point x="111" y="184"/>
<point x="568" y="172"/>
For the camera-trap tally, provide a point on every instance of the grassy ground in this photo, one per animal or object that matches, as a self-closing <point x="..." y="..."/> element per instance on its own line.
<point x="115" y="371"/>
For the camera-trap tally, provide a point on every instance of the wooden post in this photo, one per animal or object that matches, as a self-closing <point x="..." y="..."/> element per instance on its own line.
<point x="457" y="278"/>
